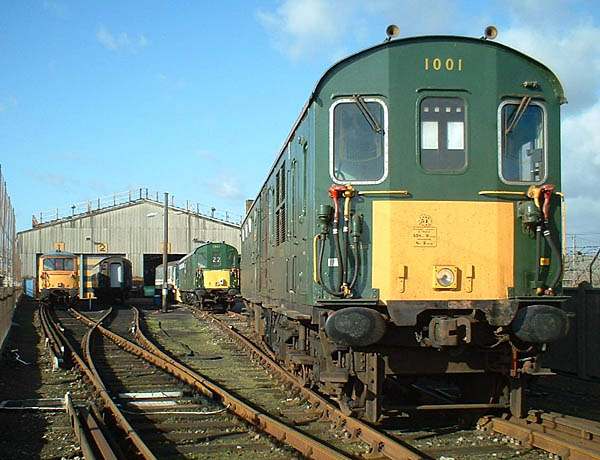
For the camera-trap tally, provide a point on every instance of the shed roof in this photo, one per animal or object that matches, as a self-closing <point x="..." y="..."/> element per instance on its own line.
<point x="129" y="204"/>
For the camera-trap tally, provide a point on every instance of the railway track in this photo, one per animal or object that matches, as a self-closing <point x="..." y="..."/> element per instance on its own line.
<point x="162" y="417"/>
<point x="250" y="381"/>
<point x="251" y="375"/>
<point x="321" y="440"/>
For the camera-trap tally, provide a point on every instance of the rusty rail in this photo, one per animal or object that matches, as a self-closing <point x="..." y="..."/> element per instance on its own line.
<point x="307" y="446"/>
<point x="90" y="436"/>
<point x="92" y="375"/>
<point x="130" y="432"/>
<point x="160" y="361"/>
<point x="55" y="343"/>
<point x="380" y="444"/>
<point x="569" y="437"/>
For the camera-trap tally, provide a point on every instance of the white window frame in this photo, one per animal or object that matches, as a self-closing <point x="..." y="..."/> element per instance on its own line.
<point x="348" y="100"/>
<point x="517" y="101"/>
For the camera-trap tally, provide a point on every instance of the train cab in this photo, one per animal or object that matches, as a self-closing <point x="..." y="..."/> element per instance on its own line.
<point x="58" y="277"/>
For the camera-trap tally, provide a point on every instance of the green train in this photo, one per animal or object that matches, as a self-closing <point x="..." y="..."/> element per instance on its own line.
<point x="209" y="277"/>
<point x="404" y="252"/>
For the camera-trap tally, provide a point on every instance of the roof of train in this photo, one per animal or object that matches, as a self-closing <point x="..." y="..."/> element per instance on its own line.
<point x="431" y="38"/>
<point x="58" y="253"/>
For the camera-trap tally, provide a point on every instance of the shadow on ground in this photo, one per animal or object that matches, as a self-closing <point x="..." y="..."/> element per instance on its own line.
<point x="22" y="431"/>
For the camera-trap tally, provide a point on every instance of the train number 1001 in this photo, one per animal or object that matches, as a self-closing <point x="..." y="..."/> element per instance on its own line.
<point x="449" y="64"/>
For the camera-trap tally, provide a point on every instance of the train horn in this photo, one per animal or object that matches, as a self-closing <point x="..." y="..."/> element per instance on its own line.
<point x="490" y="33"/>
<point x="391" y="31"/>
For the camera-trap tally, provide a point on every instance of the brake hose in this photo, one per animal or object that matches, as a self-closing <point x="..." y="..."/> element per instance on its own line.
<point x="538" y="250"/>
<point x="320" y="266"/>
<point x="356" y="265"/>
<point x="338" y="252"/>
<point x="558" y="256"/>
<point x="348" y="194"/>
<point x="345" y="253"/>
<point x="547" y="193"/>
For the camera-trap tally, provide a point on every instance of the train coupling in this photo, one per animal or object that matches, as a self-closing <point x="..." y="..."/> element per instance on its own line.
<point x="448" y="332"/>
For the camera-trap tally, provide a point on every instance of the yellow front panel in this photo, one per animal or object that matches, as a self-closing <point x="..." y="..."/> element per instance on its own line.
<point x="411" y="238"/>
<point x="216" y="279"/>
<point x="60" y="280"/>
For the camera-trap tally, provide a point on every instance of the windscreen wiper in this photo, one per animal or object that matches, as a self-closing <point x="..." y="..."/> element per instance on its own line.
<point x="360" y="103"/>
<point x="518" y="114"/>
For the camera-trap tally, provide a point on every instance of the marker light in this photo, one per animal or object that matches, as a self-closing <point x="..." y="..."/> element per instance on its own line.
<point x="445" y="277"/>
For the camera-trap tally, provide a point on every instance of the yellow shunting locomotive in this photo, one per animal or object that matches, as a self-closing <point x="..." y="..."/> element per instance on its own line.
<point x="58" y="277"/>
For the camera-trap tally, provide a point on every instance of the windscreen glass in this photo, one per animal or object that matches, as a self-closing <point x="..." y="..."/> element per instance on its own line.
<point x="358" y="141"/>
<point x="522" y="156"/>
<point x="58" y="264"/>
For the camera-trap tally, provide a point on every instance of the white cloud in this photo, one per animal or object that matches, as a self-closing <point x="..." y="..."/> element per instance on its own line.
<point x="226" y="187"/>
<point x="581" y="154"/>
<point x="556" y="13"/>
<point x="582" y="214"/>
<point x="573" y="55"/>
<point x="416" y="17"/>
<point x="120" y="41"/>
<point x="301" y="27"/>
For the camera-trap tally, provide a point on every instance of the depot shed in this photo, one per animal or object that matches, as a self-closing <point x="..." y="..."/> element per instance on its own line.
<point x="133" y="229"/>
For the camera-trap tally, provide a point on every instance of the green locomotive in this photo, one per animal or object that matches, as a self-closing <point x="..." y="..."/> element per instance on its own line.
<point x="407" y="239"/>
<point x="209" y="276"/>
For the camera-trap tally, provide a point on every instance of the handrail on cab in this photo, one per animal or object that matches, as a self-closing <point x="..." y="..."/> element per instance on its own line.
<point x="502" y="192"/>
<point x="511" y="192"/>
<point x="383" y="192"/>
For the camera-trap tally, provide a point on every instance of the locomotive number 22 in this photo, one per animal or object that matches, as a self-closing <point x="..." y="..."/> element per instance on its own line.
<point x="449" y="64"/>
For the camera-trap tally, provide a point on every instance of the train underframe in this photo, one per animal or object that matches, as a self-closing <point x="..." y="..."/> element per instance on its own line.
<point x="60" y="297"/>
<point x="448" y="360"/>
<point x="210" y="299"/>
<point x="111" y="294"/>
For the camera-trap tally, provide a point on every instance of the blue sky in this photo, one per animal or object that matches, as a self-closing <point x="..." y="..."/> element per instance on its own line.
<point x="195" y="98"/>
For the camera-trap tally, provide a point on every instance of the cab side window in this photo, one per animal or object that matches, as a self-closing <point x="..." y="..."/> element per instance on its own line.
<point x="358" y="140"/>
<point x="522" y="142"/>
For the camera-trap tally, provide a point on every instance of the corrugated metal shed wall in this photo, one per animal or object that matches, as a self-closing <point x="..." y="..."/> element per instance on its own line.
<point x="133" y="229"/>
<point x="9" y="263"/>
